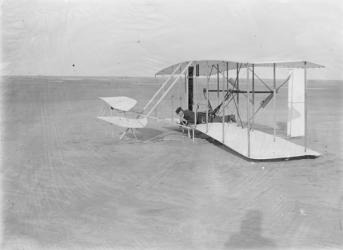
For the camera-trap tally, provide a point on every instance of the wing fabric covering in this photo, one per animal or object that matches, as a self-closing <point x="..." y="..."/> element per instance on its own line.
<point x="296" y="104"/>
<point x="121" y="103"/>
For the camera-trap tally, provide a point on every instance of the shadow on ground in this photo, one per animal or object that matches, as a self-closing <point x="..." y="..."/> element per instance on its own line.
<point x="250" y="235"/>
<point x="148" y="133"/>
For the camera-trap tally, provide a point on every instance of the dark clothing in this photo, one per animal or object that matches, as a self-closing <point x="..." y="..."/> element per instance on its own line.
<point x="227" y="118"/>
<point x="189" y="116"/>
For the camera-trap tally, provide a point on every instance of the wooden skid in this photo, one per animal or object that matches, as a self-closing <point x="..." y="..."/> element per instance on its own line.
<point x="262" y="145"/>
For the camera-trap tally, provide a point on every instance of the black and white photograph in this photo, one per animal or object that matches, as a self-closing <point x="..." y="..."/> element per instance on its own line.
<point x="171" y="124"/>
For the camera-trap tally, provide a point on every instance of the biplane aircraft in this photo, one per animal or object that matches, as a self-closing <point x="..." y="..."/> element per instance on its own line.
<point x="241" y="135"/>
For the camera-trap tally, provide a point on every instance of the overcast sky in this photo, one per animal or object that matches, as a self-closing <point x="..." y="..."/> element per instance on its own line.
<point x="139" y="37"/>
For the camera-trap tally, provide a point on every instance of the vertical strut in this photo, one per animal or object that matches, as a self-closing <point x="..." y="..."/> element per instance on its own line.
<point x="253" y="94"/>
<point x="186" y="90"/>
<point x="223" y="96"/>
<point x="207" y="99"/>
<point x="195" y="109"/>
<point x="248" y="111"/>
<point x="274" y="99"/>
<point x="190" y="87"/>
<point x="237" y="77"/>
<point x="305" y="106"/>
<point x="218" y="83"/>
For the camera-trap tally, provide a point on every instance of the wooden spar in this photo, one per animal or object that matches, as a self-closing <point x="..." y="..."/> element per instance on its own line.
<point x="265" y="84"/>
<point x="253" y="94"/>
<point x="180" y="95"/>
<point x="265" y="102"/>
<point x="274" y="100"/>
<point x="244" y="91"/>
<point x="218" y="83"/>
<point x="227" y="78"/>
<point x="172" y="108"/>
<point x="168" y="89"/>
<point x="305" y="106"/>
<point x="186" y="90"/>
<point x="163" y="85"/>
<point x="223" y="119"/>
<point x="227" y="75"/>
<point x="195" y="110"/>
<point x="237" y="87"/>
<point x="248" y="112"/>
<point x="207" y="99"/>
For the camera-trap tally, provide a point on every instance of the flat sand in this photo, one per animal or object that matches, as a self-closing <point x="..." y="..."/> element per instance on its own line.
<point x="69" y="183"/>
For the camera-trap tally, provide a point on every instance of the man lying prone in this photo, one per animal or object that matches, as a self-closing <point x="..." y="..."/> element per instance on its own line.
<point x="187" y="117"/>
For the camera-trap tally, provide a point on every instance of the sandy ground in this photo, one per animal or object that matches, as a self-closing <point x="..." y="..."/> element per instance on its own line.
<point x="69" y="183"/>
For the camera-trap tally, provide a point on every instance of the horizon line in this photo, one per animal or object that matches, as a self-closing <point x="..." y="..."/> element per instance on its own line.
<point x="143" y="76"/>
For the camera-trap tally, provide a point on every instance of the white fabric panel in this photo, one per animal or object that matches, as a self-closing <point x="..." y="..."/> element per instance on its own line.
<point x="122" y="103"/>
<point x="262" y="145"/>
<point x="296" y="104"/>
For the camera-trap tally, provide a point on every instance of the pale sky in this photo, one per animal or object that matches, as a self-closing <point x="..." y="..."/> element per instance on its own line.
<point x="139" y="37"/>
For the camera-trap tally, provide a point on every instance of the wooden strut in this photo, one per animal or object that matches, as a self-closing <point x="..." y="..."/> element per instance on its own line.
<point x="186" y="90"/>
<point x="237" y="80"/>
<point x="263" y="82"/>
<point x="239" y="116"/>
<point x="266" y="101"/>
<point x="168" y="89"/>
<point x="274" y="100"/>
<point x="223" y="118"/>
<point x="227" y="88"/>
<point x="238" y="68"/>
<point x="124" y="133"/>
<point x="253" y="91"/>
<point x="227" y="76"/>
<point x="207" y="96"/>
<point x="248" y="113"/>
<point x="195" y="101"/>
<point x="305" y="106"/>
<point x="243" y="91"/>
<point x="232" y="98"/>
<point x="234" y="85"/>
<point x="234" y="90"/>
<point x="272" y="91"/>
<point x="218" y="83"/>
<point x="158" y="91"/>
<point x="253" y="95"/>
